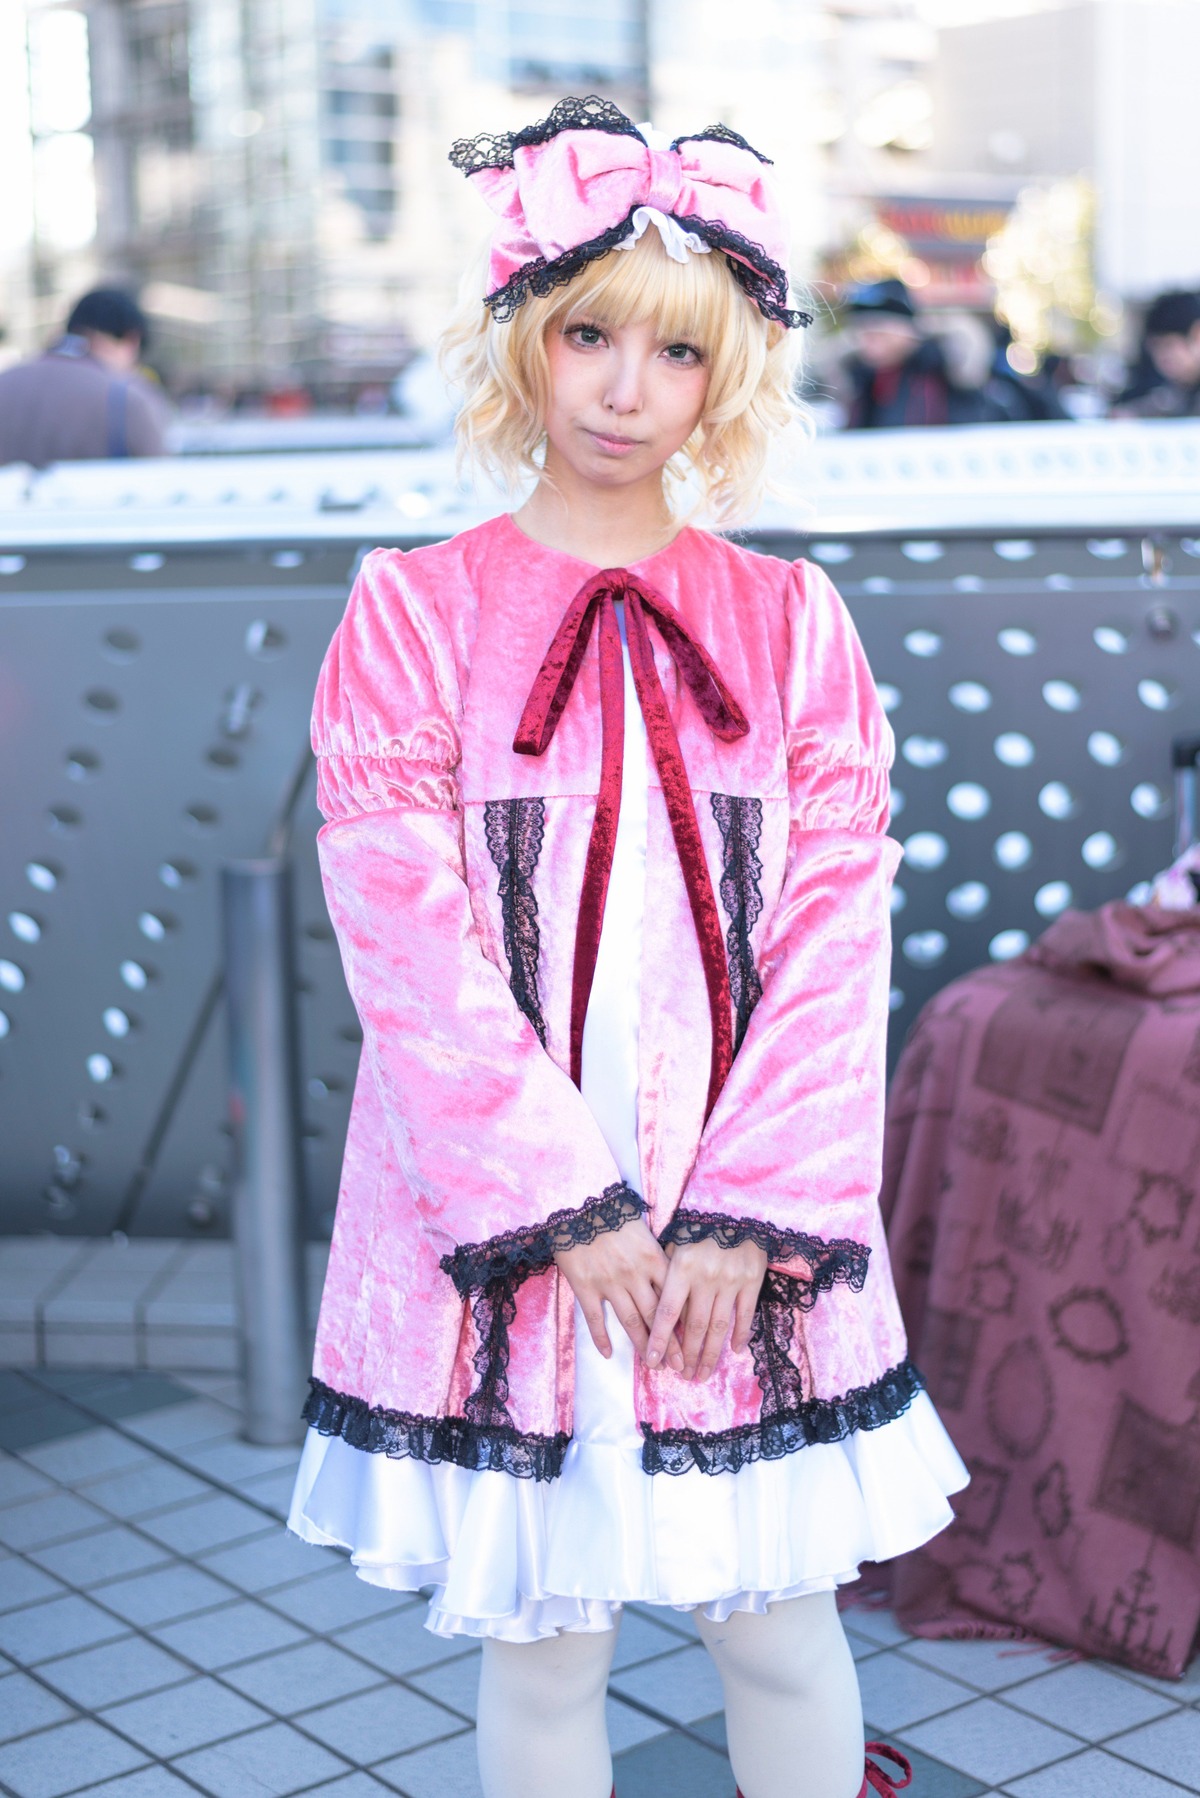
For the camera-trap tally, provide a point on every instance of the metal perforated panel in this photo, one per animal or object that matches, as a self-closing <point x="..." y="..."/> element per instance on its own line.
<point x="154" y="710"/>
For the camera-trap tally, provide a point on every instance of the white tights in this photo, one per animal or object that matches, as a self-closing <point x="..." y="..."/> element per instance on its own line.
<point x="792" y="1708"/>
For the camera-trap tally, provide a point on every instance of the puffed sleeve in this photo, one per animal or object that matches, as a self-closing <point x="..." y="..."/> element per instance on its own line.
<point x="791" y="1154"/>
<point x="504" y="1160"/>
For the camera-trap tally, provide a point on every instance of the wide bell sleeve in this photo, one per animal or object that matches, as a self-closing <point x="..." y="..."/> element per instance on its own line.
<point x="791" y="1155"/>
<point x="504" y="1160"/>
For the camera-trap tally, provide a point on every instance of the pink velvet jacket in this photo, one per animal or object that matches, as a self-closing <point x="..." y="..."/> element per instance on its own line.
<point x="465" y="879"/>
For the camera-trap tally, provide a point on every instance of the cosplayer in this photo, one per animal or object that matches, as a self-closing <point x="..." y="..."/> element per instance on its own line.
<point x="609" y="1317"/>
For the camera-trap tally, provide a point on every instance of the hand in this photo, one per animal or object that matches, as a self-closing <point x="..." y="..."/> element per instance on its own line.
<point x="707" y="1289"/>
<point x="626" y="1267"/>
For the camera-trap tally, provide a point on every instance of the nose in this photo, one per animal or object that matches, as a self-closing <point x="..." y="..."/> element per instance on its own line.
<point x="624" y="393"/>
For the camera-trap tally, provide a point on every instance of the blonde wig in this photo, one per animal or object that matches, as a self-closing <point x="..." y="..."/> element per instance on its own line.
<point x="503" y="373"/>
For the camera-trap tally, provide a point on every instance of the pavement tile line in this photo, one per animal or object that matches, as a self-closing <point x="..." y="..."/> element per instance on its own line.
<point x="900" y="1648"/>
<point x="455" y="1719"/>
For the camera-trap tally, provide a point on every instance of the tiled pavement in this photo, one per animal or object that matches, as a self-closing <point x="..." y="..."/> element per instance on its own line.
<point x="162" y="1634"/>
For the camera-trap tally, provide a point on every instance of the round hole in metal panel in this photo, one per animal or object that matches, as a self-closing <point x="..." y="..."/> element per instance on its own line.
<point x="925" y="948"/>
<point x="899" y="899"/>
<point x="43" y="875"/>
<point x="117" y="1022"/>
<point x="889" y="697"/>
<point x="350" y="1033"/>
<point x="82" y="764"/>
<point x="120" y="645"/>
<point x="1105" y="748"/>
<point x="287" y="558"/>
<point x="101" y="1068"/>
<point x="92" y="1117"/>
<point x="970" y="696"/>
<point x="923" y="643"/>
<point x="223" y="759"/>
<point x="1057" y="801"/>
<point x="1015" y="640"/>
<point x="1053" y="897"/>
<point x="967" y="583"/>
<point x="1101" y="850"/>
<point x="924" y="752"/>
<point x="1107" y="549"/>
<point x="103" y="703"/>
<point x="25" y="926"/>
<point x="1014" y="749"/>
<point x="1015" y="549"/>
<point x="64" y="817"/>
<point x="326" y="1086"/>
<point x="236" y="709"/>
<point x="923" y="551"/>
<point x="147" y="561"/>
<point x="265" y="640"/>
<point x="832" y="553"/>
<point x="1157" y="696"/>
<point x="1112" y="639"/>
<point x="1012" y="850"/>
<point x="1149" y="801"/>
<point x="1008" y="943"/>
<point x="896" y="801"/>
<point x="156" y="926"/>
<point x="878" y="583"/>
<point x="1190" y="546"/>
<point x="12" y="977"/>
<point x="137" y="975"/>
<point x="178" y="873"/>
<point x="5" y="1026"/>
<point x="926" y="849"/>
<point x="895" y="998"/>
<point x="202" y="817"/>
<point x="319" y="931"/>
<point x="1140" y="893"/>
<point x="11" y="564"/>
<point x="1059" y="583"/>
<point x="1062" y="695"/>
<point x="968" y="900"/>
<point x="968" y="800"/>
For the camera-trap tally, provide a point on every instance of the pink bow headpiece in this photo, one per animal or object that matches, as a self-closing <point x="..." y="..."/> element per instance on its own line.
<point x="585" y="181"/>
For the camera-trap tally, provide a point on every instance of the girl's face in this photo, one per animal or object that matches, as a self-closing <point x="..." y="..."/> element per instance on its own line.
<point x="623" y="400"/>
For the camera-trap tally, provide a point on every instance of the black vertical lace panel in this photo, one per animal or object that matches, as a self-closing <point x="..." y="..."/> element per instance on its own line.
<point x="494" y="1308"/>
<point x="514" y="829"/>
<point x="740" y="822"/>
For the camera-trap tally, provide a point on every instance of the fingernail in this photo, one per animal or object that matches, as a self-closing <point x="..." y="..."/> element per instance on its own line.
<point x="653" y="1357"/>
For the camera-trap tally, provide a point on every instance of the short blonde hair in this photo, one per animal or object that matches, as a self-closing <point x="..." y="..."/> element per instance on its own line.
<point x="503" y="373"/>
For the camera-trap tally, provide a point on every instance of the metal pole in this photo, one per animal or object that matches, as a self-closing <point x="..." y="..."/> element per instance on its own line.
<point x="268" y="1204"/>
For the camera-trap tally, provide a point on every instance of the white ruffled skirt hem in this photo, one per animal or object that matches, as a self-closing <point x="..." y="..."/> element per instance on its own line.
<point x="522" y="1559"/>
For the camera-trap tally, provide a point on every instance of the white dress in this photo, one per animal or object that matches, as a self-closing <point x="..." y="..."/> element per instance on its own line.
<point x="519" y="1559"/>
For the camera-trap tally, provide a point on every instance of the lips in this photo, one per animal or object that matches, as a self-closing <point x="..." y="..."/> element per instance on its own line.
<point x="608" y="440"/>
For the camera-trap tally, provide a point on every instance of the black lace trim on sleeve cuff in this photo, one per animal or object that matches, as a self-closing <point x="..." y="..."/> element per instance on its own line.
<point x="518" y="1253"/>
<point x="815" y="1420"/>
<point x="840" y="1262"/>
<point x="498" y="1448"/>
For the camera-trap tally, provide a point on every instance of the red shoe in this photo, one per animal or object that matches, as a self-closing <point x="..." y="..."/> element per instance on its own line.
<point x="875" y="1778"/>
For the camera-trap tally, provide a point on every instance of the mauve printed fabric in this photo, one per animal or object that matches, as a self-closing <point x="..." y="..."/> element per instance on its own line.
<point x="463" y="1126"/>
<point x="1043" y="1135"/>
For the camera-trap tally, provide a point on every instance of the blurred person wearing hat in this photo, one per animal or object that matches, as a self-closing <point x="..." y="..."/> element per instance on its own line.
<point x="83" y="399"/>
<point x="896" y="373"/>
<point x="1165" y="380"/>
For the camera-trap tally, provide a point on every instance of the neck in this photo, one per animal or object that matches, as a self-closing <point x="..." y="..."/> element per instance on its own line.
<point x="609" y="526"/>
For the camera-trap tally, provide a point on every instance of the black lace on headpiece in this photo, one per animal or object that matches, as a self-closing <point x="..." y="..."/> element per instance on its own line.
<point x="760" y="278"/>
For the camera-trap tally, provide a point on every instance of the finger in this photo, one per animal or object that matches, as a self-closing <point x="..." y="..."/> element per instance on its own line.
<point x="743" y="1320"/>
<point x="670" y="1304"/>
<point x="714" y="1341"/>
<point x="699" y="1312"/>
<point x="645" y="1296"/>
<point x="593" y="1316"/>
<point x="631" y="1320"/>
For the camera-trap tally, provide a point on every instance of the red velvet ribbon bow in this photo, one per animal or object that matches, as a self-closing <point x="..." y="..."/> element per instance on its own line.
<point x="547" y="700"/>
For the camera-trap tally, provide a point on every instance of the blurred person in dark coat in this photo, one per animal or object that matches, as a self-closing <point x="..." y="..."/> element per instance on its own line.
<point x="1165" y="380"/>
<point x="83" y="399"/>
<point x="896" y="373"/>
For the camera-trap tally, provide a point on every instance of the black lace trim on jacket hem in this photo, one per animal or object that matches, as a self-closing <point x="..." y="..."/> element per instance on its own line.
<point x="516" y="1254"/>
<point x="817" y="1420"/>
<point x="840" y="1262"/>
<point x="514" y="829"/>
<point x="740" y="821"/>
<point x="496" y="1448"/>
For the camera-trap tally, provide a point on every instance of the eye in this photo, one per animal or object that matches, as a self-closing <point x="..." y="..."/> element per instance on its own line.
<point x="587" y="335"/>
<point x="684" y="353"/>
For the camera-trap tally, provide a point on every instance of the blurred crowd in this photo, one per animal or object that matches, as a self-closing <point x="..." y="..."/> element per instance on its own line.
<point x="883" y="365"/>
